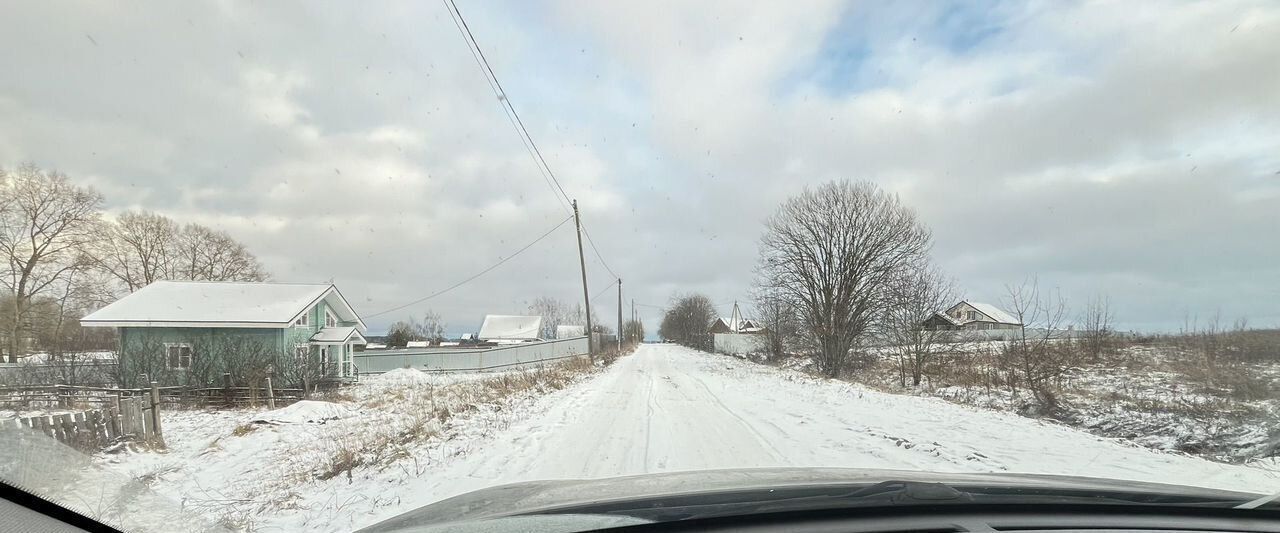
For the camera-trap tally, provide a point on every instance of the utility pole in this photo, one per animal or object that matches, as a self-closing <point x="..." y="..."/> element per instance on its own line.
<point x="586" y="297"/>
<point x="619" y="314"/>
<point x="633" y="314"/>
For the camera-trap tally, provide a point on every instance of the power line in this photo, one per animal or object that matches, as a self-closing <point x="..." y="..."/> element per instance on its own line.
<point x="604" y="290"/>
<point x="481" y="273"/>
<point x="501" y="93"/>
<point x="597" y="252"/>
<point x="513" y="117"/>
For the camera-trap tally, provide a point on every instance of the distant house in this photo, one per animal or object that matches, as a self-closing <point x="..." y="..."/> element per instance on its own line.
<point x="569" y="331"/>
<point x="508" y="329"/>
<point x="735" y="323"/>
<point x="191" y="332"/>
<point x="968" y="315"/>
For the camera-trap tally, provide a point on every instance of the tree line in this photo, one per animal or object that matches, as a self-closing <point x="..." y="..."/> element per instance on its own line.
<point x="61" y="256"/>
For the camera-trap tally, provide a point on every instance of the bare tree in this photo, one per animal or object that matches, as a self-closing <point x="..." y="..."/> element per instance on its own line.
<point x="554" y="313"/>
<point x="1096" y="333"/>
<point x="204" y="254"/>
<point x="1040" y="363"/>
<point x="688" y="321"/>
<point x="633" y="331"/>
<point x="45" y="224"/>
<point x="401" y="332"/>
<point x="913" y="297"/>
<point x="831" y="252"/>
<point x="138" y="248"/>
<point x="431" y="328"/>
<point x="777" y="317"/>
<point x="57" y="331"/>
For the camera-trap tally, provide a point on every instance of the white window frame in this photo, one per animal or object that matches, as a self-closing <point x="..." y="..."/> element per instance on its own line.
<point x="330" y="319"/>
<point x="302" y="352"/>
<point x="303" y="321"/>
<point x="169" y="346"/>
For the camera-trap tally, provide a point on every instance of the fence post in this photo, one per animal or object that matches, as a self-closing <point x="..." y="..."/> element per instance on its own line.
<point x="271" y="392"/>
<point x="117" y="421"/>
<point x="226" y="388"/>
<point x="155" y="414"/>
<point x="80" y="438"/>
<point x="306" y="391"/>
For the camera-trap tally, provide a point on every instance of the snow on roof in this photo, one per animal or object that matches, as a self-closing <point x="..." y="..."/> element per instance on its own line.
<point x="338" y="334"/>
<point x="997" y="314"/>
<point x="228" y="304"/>
<point x="510" y="327"/>
<point x="568" y="331"/>
<point x="736" y="325"/>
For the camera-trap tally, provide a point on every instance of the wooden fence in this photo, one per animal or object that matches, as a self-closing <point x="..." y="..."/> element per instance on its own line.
<point x="78" y="397"/>
<point x="135" y="418"/>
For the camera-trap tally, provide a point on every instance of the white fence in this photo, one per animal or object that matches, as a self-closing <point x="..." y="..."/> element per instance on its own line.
<point x="738" y="343"/>
<point x="485" y="359"/>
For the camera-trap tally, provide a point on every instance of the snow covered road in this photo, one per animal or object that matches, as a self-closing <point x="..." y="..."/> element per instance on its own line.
<point x="668" y="408"/>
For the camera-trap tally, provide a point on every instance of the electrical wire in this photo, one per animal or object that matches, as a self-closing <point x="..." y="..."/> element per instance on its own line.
<point x="602" y="291"/>
<point x="513" y="117"/>
<point x="597" y="252"/>
<point x="492" y="79"/>
<point x="473" y="277"/>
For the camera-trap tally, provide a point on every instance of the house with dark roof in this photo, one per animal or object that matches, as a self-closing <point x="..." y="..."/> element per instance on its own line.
<point x="967" y="315"/>
<point x="194" y="332"/>
<point x="735" y="323"/>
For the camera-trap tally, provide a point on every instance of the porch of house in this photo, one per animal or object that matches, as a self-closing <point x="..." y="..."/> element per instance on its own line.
<point x="335" y="347"/>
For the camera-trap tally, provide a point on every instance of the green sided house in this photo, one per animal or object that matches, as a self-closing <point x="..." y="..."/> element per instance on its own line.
<point x="194" y="332"/>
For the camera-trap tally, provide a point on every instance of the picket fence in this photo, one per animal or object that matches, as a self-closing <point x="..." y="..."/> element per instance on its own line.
<point x="125" y="418"/>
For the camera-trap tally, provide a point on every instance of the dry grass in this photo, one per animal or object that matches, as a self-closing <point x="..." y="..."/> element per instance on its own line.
<point x="244" y="429"/>
<point x="425" y="412"/>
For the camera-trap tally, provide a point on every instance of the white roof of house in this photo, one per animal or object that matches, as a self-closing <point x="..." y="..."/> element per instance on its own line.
<point x="997" y="314"/>
<point x="337" y="335"/>
<point x="219" y="304"/>
<point x="568" y="331"/>
<point x="510" y="327"/>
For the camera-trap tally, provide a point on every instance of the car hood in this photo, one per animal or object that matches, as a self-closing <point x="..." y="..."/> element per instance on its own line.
<point x="537" y="496"/>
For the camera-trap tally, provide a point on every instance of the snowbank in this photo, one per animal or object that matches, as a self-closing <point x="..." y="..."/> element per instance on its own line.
<point x="307" y="411"/>
<point x="402" y="376"/>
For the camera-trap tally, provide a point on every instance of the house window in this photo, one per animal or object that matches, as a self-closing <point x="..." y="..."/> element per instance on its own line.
<point x="302" y="320"/>
<point x="330" y="320"/>
<point x="973" y="315"/>
<point x="178" y="356"/>
<point x="301" y="352"/>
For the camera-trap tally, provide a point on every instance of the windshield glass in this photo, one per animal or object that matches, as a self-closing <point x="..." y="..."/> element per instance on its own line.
<point x="314" y="266"/>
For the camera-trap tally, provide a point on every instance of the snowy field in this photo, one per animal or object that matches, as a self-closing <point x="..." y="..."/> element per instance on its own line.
<point x="664" y="408"/>
<point x="1150" y="394"/>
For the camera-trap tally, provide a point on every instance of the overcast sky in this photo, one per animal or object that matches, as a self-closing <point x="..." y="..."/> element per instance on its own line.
<point x="1125" y="149"/>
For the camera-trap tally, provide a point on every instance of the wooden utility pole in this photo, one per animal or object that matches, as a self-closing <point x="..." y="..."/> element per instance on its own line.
<point x="586" y="297"/>
<point x="619" y="314"/>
